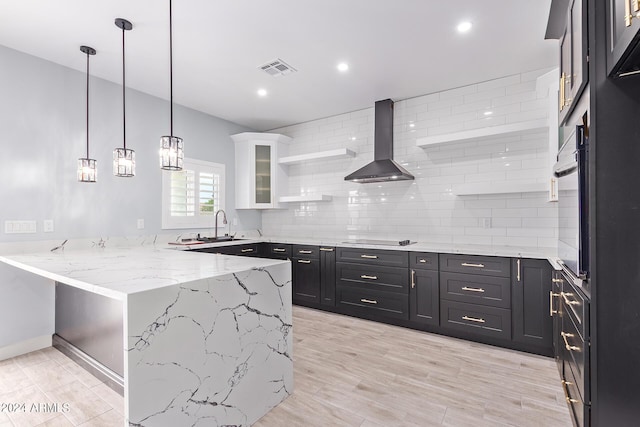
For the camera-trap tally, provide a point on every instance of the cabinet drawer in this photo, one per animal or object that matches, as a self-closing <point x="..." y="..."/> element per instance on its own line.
<point x="487" y="290"/>
<point x="305" y="251"/>
<point x="249" y="250"/>
<point x="576" y="355"/>
<point x="373" y="256"/>
<point x="475" y="264"/>
<point x="425" y="260"/>
<point x="387" y="304"/>
<point x="578" y="409"/>
<point x="278" y="250"/>
<point x="477" y="319"/>
<point x="389" y="279"/>
<point x="576" y="305"/>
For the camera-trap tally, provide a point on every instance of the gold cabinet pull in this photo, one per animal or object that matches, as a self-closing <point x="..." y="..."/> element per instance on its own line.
<point x="422" y="260"/>
<point x="567" y="301"/>
<point x="473" y="319"/>
<point x="561" y="91"/>
<point x="368" y="301"/>
<point x="304" y="261"/>
<point x="467" y="288"/>
<point x="366" y="276"/>
<point x="519" y="269"/>
<point x="246" y="250"/>
<point x="368" y="256"/>
<point x="279" y="250"/>
<point x="326" y="249"/>
<point x="551" y="295"/>
<point x="568" y="346"/>
<point x="554" y="280"/>
<point x="635" y="6"/>
<point x="413" y="279"/>
<point x="627" y="13"/>
<point x="468" y="264"/>
<point x="305" y="252"/>
<point x="566" y="392"/>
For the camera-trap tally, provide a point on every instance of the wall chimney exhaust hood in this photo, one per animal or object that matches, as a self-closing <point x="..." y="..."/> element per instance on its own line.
<point x="383" y="168"/>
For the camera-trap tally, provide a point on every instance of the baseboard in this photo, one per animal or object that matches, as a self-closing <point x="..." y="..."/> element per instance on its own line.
<point x="25" y="347"/>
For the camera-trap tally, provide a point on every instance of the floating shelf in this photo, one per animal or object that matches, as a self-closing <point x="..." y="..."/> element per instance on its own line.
<point x="331" y="154"/>
<point x="500" y="188"/>
<point x="306" y="198"/>
<point x="523" y="128"/>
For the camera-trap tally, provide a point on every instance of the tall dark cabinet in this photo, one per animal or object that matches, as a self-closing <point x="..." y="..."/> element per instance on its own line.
<point x="613" y="99"/>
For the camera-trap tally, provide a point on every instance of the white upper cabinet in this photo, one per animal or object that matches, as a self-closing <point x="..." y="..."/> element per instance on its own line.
<point x="260" y="179"/>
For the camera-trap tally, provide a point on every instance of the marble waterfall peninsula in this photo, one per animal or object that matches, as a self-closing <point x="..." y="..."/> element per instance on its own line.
<point x="207" y="339"/>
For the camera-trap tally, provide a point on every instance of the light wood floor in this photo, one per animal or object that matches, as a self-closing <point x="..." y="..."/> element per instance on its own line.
<point x="348" y="372"/>
<point x="353" y="372"/>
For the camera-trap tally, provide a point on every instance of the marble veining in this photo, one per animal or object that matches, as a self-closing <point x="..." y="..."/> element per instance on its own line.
<point x="215" y="351"/>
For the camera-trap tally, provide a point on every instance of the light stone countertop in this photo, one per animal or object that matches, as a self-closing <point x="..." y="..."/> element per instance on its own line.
<point x="487" y="250"/>
<point x="118" y="272"/>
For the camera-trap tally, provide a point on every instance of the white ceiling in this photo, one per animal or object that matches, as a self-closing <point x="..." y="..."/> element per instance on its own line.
<point x="395" y="49"/>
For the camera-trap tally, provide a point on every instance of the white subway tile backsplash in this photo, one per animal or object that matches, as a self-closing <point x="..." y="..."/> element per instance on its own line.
<point x="425" y="209"/>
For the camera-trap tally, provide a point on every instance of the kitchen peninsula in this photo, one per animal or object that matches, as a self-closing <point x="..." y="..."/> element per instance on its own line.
<point x="206" y="339"/>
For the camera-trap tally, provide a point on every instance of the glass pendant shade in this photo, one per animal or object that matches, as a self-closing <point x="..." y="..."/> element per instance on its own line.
<point x="124" y="162"/>
<point x="171" y="153"/>
<point x="87" y="170"/>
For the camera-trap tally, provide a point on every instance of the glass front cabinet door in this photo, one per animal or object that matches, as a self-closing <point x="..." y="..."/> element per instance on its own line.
<point x="260" y="180"/>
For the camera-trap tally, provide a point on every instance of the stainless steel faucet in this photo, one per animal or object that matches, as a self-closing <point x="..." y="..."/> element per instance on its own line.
<point x="224" y="221"/>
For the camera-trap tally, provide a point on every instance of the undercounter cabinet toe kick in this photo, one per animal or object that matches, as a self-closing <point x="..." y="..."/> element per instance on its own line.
<point x="206" y="340"/>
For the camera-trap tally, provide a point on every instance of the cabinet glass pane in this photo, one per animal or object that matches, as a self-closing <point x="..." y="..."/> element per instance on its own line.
<point x="263" y="174"/>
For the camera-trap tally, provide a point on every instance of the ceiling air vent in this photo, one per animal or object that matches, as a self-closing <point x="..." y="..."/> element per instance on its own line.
<point x="277" y="68"/>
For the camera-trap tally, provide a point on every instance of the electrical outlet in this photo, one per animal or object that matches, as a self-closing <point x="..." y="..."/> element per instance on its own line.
<point x="47" y="226"/>
<point x="234" y="221"/>
<point x="140" y="224"/>
<point x="486" y="222"/>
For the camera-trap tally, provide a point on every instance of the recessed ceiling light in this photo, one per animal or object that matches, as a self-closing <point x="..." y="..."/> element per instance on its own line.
<point x="463" y="27"/>
<point x="262" y="92"/>
<point x="343" y="66"/>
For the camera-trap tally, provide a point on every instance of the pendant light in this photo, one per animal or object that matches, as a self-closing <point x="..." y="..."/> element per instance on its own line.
<point x="87" y="167"/>
<point x="124" y="159"/>
<point x="171" y="148"/>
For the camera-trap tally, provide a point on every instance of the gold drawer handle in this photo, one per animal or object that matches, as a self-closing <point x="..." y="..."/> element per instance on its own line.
<point x="304" y="261"/>
<point x="566" y="392"/>
<point x="369" y="256"/>
<point x="467" y="264"/>
<point x="279" y="250"/>
<point x="368" y="301"/>
<point x="473" y="319"/>
<point x="327" y="249"/>
<point x="561" y="91"/>
<point x="466" y="288"/>
<point x="246" y="250"/>
<point x="556" y="280"/>
<point x="305" y="252"/>
<point x="567" y="301"/>
<point x="413" y="279"/>
<point x="568" y="346"/>
<point x="365" y="276"/>
<point x="551" y="310"/>
<point x="422" y="260"/>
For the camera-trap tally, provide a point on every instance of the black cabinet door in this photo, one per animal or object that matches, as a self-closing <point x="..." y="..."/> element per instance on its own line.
<point x="328" y="276"/>
<point x="532" y="323"/>
<point x="306" y="280"/>
<point x="424" y="297"/>
<point x="556" y="312"/>
<point x="574" y="52"/>
<point x="623" y="31"/>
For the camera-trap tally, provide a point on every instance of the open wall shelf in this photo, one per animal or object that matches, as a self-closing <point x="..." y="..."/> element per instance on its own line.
<point x="321" y="155"/>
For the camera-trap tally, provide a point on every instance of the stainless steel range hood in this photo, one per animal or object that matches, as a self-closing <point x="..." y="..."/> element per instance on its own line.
<point x="383" y="168"/>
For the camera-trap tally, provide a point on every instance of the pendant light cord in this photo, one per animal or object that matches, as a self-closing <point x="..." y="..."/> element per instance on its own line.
<point x="171" y="68"/>
<point x="87" y="104"/>
<point x="124" y="115"/>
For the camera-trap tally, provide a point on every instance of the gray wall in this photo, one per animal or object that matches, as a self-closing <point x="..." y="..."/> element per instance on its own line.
<point x="42" y="117"/>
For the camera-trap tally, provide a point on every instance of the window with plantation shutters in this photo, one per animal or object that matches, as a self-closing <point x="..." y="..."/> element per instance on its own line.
<point x="192" y="196"/>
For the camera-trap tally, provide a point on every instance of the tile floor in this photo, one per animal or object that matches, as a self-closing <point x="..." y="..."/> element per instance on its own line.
<point x="348" y="372"/>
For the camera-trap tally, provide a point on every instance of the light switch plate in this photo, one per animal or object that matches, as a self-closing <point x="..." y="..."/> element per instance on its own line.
<point x="47" y="226"/>
<point x="19" y="227"/>
<point x="140" y="224"/>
